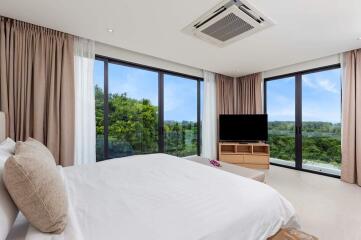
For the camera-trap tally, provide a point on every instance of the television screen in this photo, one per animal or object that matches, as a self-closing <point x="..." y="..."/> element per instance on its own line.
<point x="252" y="127"/>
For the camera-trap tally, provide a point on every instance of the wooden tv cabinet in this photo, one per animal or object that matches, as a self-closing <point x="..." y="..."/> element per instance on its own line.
<point x="251" y="155"/>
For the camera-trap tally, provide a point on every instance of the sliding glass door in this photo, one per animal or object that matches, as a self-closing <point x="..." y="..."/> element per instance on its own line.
<point x="133" y="111"/>
<point x="321" y="121"/>
<point x="304" y="111"/>
<point x="180" y="116"/>
<point x="141" y="110"/>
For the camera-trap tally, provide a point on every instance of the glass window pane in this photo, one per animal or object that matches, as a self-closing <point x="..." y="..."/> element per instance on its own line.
<point x="321" y="125"/>
<point x="133" y="111"/>
<point x="180" y="116"/>
<point x="99" y="108"/>
<point x="281" y="117"/>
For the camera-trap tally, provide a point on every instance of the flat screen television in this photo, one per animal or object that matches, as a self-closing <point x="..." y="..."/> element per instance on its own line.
<point x="244" y="127"/>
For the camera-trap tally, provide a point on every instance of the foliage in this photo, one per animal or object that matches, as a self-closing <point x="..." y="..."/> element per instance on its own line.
<point x="133" y="128"/>
<point x="321" y="141"/>
<point x="180" y="138"/>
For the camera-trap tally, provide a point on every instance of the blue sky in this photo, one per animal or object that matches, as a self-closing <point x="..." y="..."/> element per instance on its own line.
<point x="321" y="97"/>
<point x="99" y="74"/>
<point x="321" y="100"/>
<point x="180" y="96"/>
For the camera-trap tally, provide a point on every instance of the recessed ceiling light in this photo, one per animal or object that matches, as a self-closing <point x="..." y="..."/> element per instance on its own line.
<point x="110" y="30"/>
<point x="359" y="38"/>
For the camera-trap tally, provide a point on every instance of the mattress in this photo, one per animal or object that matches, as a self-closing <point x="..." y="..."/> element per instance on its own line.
<point x="161" y="197"/>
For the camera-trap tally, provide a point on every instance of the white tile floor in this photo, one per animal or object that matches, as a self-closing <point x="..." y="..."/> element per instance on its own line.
<point x="327" y="207"/>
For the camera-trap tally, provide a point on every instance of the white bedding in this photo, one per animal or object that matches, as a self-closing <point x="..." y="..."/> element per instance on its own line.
<point x="161" y="197"/>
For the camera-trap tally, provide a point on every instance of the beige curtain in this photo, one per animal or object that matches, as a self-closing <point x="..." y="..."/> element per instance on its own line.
<point x="37" y="86"/>
<point x="351" y="117"/>
<point x="225" y="97"/>
<point x="225" y="94"/>
<point x="242" y="95"/>
<point x="249" y="94"/>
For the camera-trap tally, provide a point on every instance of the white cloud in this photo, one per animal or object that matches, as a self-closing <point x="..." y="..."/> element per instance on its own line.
<point x="285" y="112"/>
<point x="328" y="85"/>
<point x="283" y="99"/>
<point x="312" y="112"/>
<point x="318" y="106"/>
<point x="281" y="114"/>
<point x="308" y="114"/>
<point x="321" y="83"/>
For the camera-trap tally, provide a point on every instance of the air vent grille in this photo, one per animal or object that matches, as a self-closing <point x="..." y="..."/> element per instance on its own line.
<point x="227" y="22"/>
<point x="227" y="27"/>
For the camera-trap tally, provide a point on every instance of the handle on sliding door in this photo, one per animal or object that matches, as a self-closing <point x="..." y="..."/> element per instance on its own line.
<point x="298" y="147"/>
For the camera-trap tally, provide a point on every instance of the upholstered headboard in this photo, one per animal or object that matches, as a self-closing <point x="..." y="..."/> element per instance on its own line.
<point x="2" y="126"/>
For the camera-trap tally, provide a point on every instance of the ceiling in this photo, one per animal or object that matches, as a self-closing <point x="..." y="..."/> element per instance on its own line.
<point x="304" y="29"/>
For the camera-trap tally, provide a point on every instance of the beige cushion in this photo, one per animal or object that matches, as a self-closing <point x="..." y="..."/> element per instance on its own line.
<point x="232" y="168"/>
<point x="36" y="186"/>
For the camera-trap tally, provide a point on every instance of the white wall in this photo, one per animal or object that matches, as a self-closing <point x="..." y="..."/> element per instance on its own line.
<point x="321" y="62"/>
<point x="134" y="57"/>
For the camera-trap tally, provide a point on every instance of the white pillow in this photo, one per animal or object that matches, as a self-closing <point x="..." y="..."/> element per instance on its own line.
<point x="8" y="145"/>
<point x="4" y="155"/>
<point x="8" y="210"/>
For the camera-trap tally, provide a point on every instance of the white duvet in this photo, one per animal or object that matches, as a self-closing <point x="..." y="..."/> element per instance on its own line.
<point x="161" y="197"/>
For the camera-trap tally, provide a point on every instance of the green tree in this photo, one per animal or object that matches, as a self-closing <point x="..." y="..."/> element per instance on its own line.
<point x="133" y="128"/>
<point x="321" y="141"/>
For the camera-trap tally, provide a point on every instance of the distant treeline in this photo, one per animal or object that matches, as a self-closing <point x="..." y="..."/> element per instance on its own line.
<point x="321" y="141"/>
<point x="133" y="129"/>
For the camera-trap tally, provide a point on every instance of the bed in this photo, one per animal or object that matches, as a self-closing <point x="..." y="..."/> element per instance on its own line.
<point x="162" y="197"/>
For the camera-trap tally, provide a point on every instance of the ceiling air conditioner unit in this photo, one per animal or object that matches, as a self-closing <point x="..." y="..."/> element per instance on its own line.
<point x="228" y="22"/>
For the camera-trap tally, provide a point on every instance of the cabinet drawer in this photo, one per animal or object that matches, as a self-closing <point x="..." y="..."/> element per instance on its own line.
<point x="256" y="159"/>
<point x="232" y="158"/>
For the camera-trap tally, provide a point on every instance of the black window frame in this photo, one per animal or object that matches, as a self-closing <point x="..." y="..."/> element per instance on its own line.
<point x="161" y="72"/>
<point x="298" y="113"/>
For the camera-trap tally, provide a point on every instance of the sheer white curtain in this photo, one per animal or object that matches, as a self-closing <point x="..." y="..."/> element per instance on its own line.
<point x="209" y="117"/>
<point x="85" y="132"/>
